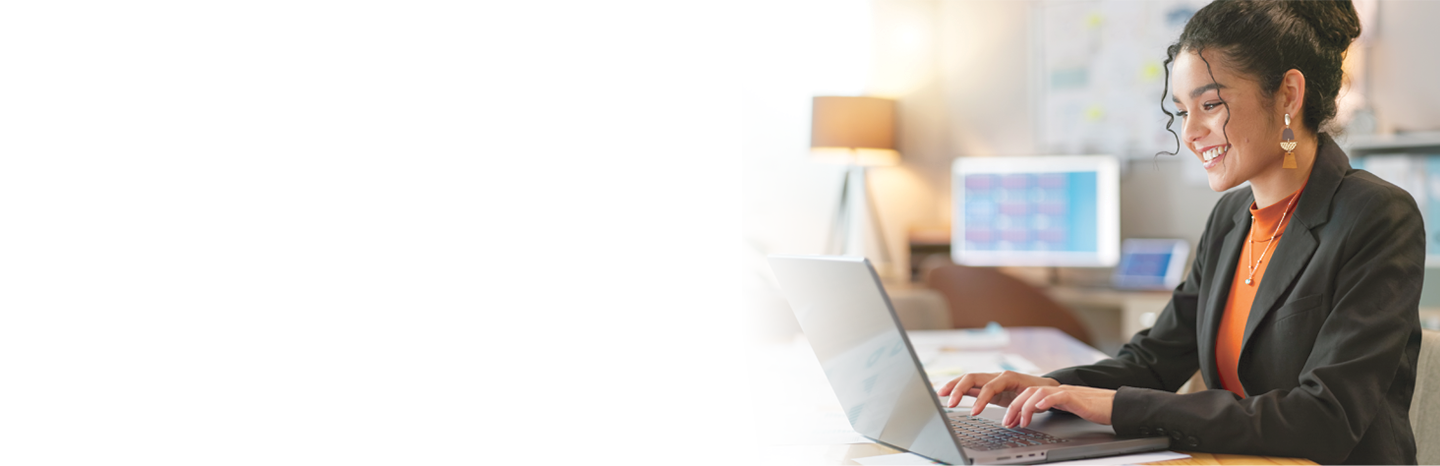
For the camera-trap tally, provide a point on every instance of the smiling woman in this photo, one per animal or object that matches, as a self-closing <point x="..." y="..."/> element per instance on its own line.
<point x="1250" y="63"/>
<point x="1301" y="308"/>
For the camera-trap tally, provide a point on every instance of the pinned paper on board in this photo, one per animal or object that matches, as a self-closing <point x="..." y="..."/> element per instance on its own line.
<point x="1103" y="73"/>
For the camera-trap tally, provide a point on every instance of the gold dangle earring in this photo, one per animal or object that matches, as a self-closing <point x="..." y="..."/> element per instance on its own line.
<point x="1287" y="142"/>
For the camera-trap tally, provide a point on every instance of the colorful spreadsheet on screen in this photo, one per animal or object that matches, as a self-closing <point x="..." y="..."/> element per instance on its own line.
<point x="1031" y="212"/>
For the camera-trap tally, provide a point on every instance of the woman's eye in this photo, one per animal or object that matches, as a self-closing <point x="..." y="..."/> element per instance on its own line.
<point x="1182" y="114"/>
<point x="1211" y="106"/>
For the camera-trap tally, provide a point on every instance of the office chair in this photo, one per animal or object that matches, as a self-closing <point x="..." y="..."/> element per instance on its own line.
<point x="979" y="295"/>
<point x="769" y="314"/>
<point x="1425" y="403"/>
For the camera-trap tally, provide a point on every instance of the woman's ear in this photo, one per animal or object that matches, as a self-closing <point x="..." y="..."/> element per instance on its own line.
<point x="1292" y="93"/>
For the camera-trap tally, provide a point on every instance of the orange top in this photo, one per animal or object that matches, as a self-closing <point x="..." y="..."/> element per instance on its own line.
<point x="1242" y="295"/>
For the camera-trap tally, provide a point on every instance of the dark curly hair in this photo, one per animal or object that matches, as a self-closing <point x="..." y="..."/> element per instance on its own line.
<point x="1267" y="38"/>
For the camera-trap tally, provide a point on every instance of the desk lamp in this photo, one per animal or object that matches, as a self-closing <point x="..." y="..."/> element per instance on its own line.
<point x="858" y="132"/>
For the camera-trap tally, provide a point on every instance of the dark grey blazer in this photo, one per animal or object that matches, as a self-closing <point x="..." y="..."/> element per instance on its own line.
<point x="1330" y="349"/>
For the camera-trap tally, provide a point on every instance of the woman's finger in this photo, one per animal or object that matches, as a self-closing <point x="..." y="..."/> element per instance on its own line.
<point x="962" y="387"/>
<point x="945" y="389"/>
<point x="1017" y="410"/>
<point x="1032" y="407"/>
<point x="1012" y="414"/>
<point x="987" y="392"/>
<point x="1048" y="402"/>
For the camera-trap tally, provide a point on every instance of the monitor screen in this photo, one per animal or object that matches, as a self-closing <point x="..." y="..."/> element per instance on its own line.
<point x="1418" y="174"/>
<point x="1036" y="211"/>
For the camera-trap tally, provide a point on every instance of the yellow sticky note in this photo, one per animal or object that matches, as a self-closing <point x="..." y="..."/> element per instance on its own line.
<point x="1150" y="71"/>
<point x="1094" y="20"/>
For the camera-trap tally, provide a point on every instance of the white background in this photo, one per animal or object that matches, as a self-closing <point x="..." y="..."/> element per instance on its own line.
<point x="311" y="232"/>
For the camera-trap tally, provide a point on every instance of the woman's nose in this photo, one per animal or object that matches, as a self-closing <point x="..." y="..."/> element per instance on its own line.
<point x="1192" y="130"/>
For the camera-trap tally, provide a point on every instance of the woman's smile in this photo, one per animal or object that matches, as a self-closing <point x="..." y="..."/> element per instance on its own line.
<point x="1211" y="156"/>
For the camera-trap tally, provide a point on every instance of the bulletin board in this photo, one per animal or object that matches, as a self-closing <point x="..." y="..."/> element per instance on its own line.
<point x="1102" y="74"/>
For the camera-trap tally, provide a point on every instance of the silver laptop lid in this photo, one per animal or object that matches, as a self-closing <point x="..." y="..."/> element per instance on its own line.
<point x="865" y="353"/>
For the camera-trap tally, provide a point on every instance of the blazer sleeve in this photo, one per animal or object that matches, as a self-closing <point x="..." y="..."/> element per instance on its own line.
<point x="1347" y="371"/>
<point x="1164" y="356"/>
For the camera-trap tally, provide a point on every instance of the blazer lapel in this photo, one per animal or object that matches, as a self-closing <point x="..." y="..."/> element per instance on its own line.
<point x="1291" y="256"/>
<point x="1215" y="301"/>
<point x="1297" y="245"/>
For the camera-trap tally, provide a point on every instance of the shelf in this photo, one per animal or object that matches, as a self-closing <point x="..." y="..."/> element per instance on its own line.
<point x="1427" y="142"/>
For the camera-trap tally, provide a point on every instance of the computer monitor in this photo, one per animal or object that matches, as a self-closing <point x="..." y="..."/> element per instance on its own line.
<point x="1061" y="211"/>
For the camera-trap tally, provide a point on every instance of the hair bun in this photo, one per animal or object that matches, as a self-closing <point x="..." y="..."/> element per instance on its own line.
<point x="1335" y="22"/>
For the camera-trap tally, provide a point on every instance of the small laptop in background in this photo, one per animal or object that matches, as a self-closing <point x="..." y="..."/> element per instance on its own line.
<point x="869" y="361"/>
<point x="1151" y="264"/>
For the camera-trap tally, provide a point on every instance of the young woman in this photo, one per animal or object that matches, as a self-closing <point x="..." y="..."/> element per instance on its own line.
<point x="1301" y="309"/>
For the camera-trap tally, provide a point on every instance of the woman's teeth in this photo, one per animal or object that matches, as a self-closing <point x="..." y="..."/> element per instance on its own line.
<point x="1216" y="152"/>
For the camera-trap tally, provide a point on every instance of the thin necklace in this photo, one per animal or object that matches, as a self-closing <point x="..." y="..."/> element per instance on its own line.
<point x="1251" y="238"/>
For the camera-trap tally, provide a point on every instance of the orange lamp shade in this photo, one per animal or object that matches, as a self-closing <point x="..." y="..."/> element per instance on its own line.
<point x="853" y="130"/>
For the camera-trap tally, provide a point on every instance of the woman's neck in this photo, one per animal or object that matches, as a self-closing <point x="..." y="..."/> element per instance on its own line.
<point x="1278" y="183"/>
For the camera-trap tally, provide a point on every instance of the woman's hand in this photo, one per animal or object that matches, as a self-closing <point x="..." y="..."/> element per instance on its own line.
<point x="1000" y="389"/>
<point x="1093" y="404"/>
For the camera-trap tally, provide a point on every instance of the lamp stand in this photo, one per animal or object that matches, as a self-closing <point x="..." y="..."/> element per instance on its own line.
<point x="843" y="226"/>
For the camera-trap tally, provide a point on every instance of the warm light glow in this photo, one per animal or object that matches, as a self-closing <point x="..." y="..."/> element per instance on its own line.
<point x="856" y="156"/>
<point x="905" y="57"/>
<point x="853" y="130"/>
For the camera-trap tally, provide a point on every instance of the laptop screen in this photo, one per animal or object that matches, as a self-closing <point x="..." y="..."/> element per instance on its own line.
<point x="864" y="353"/>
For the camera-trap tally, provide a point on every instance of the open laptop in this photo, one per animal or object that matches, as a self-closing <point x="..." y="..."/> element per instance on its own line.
<point x="872" y="367"/>
<point x="1151" y="264"/>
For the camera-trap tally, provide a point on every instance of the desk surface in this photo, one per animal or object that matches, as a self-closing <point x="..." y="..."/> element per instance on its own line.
<point x="1049" y="349"/>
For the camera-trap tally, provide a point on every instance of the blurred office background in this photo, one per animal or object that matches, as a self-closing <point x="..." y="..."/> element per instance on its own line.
<point x="1025" y="78"/>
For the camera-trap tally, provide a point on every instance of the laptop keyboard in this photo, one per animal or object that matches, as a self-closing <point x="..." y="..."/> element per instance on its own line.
<point x="978" y="433"/>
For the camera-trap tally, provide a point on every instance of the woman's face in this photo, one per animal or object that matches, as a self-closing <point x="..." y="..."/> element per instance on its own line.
<point x="1252" y="148"/>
